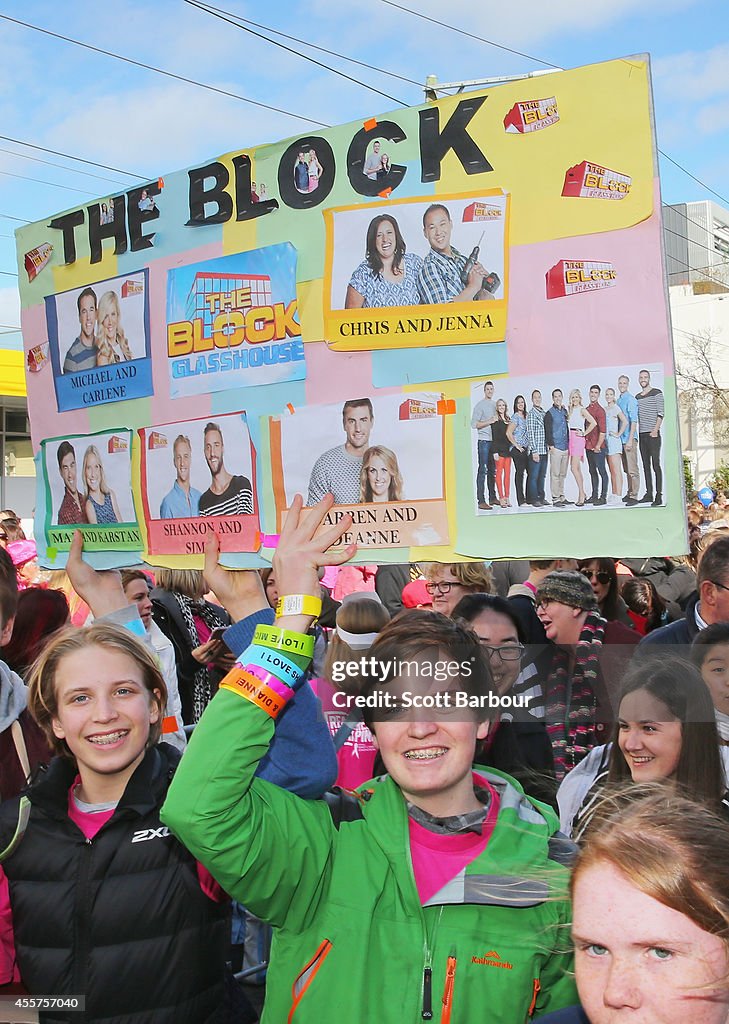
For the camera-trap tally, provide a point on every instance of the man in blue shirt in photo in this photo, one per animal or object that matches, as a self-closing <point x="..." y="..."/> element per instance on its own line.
<point x="557" y="434"/>
<point x="183" y="501"/>
<point x="629" y="404"/>
<point x="83" y="352"/>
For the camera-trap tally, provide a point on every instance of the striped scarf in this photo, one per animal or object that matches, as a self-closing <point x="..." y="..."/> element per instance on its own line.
<point x="571" y="701"/>
<point x="202" y="688"/>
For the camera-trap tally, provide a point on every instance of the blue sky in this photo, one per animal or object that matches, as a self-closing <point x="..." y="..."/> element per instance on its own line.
<point x="69" y="99"/>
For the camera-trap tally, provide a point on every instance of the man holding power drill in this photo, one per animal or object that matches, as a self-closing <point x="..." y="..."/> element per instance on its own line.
<point x="447" y="275"/>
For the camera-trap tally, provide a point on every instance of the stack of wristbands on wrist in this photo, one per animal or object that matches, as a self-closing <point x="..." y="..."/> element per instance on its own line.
<point x="271" y="669"/>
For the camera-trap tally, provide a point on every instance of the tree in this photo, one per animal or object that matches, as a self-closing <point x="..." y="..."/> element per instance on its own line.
<point x="688" y="478"/>
<point x="700" y="358"/>
<point x="719" y="480"/>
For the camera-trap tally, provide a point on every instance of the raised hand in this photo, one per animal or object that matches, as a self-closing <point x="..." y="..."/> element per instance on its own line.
<point x="300" y="552"/>
<point x="101" y="590"/>
<point x="240" y="591"/>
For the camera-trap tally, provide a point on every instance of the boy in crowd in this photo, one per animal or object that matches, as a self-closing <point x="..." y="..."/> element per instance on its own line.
<point x="136" y="590"/>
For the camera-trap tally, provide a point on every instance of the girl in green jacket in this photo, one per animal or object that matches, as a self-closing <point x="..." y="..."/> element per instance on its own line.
<point x="442" y="896"/>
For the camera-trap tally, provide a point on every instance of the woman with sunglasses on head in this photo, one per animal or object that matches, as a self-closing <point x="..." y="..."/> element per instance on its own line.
<point x="666" y="732"/>
<point x="448" y="582"/>
<point x="360" y="618"/>
<point x="12" y="529"/>
<point x="603" y="577"/>
<point x="518" y="743"/>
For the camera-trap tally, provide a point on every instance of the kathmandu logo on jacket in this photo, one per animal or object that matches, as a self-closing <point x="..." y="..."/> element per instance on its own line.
<point x="150" y="833"/>
<point x="492" y="959"/>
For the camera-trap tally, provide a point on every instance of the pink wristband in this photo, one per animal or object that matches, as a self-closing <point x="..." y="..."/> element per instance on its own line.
<point x="272" y="682"/>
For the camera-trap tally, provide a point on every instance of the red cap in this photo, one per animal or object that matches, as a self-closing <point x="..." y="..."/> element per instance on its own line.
<point x="414" y="595"/>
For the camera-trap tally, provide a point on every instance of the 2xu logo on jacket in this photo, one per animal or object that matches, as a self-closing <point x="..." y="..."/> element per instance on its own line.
<point x="145" y="834"/>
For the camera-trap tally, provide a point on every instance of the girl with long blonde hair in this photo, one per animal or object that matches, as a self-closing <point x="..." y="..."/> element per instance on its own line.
<point x="112" y="341"/>
<point x="101" y="503"/>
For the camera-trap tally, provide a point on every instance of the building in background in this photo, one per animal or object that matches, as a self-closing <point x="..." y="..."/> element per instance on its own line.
<point x="17" y="483"/>
<point x="696" y="237"/>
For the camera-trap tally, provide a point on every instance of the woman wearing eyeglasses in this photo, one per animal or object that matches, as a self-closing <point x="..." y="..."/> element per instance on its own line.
<point x="603" y="577"/>
<point x="517" y="743"/>
<point x="448" y="582"/>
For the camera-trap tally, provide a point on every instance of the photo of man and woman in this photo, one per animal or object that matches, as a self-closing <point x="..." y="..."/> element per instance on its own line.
<point x="307" y="171"/>
<point x="365" y="452"/>
<point x="107" y="212"/>
<point x="409" y="253"/>
<point x="89" y="479"/>
<point x="101" y="324"/>
<point x="377" y="163"/>
<point x="577" y="440"/>
<point x="99" y="342"/>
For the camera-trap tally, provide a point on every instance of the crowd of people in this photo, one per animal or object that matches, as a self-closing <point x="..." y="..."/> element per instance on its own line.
<point x="461" y="791"/>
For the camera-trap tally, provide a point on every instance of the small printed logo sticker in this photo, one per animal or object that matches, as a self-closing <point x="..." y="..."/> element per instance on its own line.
<point x="568" y="277"/>
<point x="531" y="115"/>
<point x="592" y="181"/>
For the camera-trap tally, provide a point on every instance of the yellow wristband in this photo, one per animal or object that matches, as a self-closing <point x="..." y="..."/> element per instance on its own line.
<point x="299" y="604"/>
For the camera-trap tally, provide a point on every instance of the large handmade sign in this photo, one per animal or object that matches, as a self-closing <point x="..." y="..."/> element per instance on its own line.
<point x="451" y="316"/>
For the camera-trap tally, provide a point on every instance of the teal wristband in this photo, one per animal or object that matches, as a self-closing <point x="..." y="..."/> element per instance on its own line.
<point x="274" y="662"/>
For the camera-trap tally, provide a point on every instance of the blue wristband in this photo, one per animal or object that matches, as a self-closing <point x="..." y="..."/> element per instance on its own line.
<point x="274" y="662"/>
